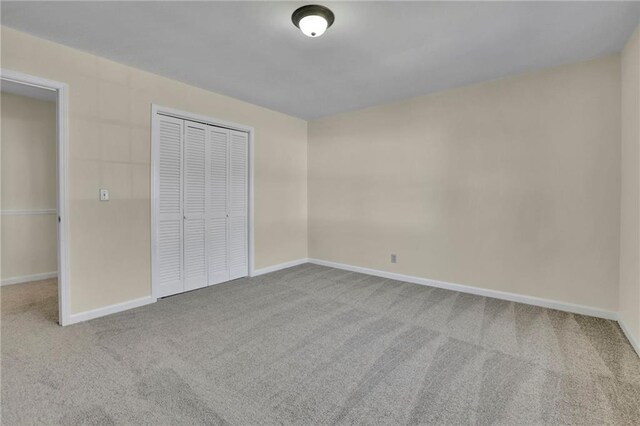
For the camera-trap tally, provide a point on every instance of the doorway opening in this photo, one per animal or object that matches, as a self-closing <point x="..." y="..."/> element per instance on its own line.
<point x="33" y="170"/>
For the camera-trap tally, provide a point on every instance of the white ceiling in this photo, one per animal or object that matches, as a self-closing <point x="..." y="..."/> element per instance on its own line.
<point x="375" y="52"/>
<point x="34" y="92"/>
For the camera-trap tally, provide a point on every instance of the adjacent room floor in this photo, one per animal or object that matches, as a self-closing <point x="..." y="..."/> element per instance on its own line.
<point x="312" y="344"/>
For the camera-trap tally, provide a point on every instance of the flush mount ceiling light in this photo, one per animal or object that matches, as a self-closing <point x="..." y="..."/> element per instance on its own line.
<point x="313" y="19"/>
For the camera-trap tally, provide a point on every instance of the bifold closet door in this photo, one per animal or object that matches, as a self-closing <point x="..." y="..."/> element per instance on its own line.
<point x="194" y="199"/>
<point x="202" y="202"/>
<point x="169" y="206"/>
<point x="238" y="202"/>
<point x="218" y="203"/>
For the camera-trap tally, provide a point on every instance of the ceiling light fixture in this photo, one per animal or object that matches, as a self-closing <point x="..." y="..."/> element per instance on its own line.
<point x="312" y="19"/>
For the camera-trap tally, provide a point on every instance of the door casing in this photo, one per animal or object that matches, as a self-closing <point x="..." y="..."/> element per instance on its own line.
<point x="62" y="138"/>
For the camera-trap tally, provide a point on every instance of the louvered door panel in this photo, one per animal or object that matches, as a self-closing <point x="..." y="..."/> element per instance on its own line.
<point x="169" y="228"/>
<point x="194" y="193"/>
<point x="218" y="251"/>
<point x="237" y="247"/>
<point x="238" y="179"/>
<point x="217" y="232"/>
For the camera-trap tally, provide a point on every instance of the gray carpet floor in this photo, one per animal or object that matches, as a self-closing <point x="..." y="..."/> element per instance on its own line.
<point x="314" y="345"/>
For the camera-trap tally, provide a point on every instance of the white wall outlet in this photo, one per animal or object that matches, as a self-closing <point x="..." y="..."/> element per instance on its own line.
<point x="394" y="258"/>
<point x="104" y="194"/>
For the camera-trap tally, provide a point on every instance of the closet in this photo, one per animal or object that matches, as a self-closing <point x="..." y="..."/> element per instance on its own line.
<point x="201" y="199"/>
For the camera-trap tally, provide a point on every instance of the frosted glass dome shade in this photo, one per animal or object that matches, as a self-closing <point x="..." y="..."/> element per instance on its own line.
<point x="312" y="19"/>
<point x="313" y="25"/>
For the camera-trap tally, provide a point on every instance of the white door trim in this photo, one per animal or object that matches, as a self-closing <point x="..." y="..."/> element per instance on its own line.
<point x="62" y="119"/>
<point x="155" y="146"/>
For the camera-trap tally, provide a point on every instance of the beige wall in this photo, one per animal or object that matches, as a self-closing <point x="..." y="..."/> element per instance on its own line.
<point x="28" y="176"/>
<point x="510" y="185"/>
<point x="630" y="200"/>
<point x="109" y="147"/>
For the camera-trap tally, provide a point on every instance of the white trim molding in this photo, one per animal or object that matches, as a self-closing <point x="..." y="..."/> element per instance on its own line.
<point x="496" y="294"/>
<point x="111" y="309"/>
<point x="136" y="303"/>
<point x="630" y="337"/>
<point x="279" y="266"/>
<point x="31" y="212"/>
<point x="29" y="278"/>
<point x="62" y="121"/>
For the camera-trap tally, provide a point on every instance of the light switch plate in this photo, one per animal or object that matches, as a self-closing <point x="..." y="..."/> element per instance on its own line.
<point x="104" y="195"/>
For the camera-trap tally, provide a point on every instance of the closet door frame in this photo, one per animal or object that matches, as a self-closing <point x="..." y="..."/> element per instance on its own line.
<point x="156" y="112"/>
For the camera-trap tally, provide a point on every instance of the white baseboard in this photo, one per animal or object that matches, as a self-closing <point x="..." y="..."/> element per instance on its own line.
<point x="512" y="297"/>
<point x="29" y="278"/>
<point x="280" y="266"/>
<point x="131" y="304"/>
<point x="111" y="309"/>
<point x="634" y="342"/>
